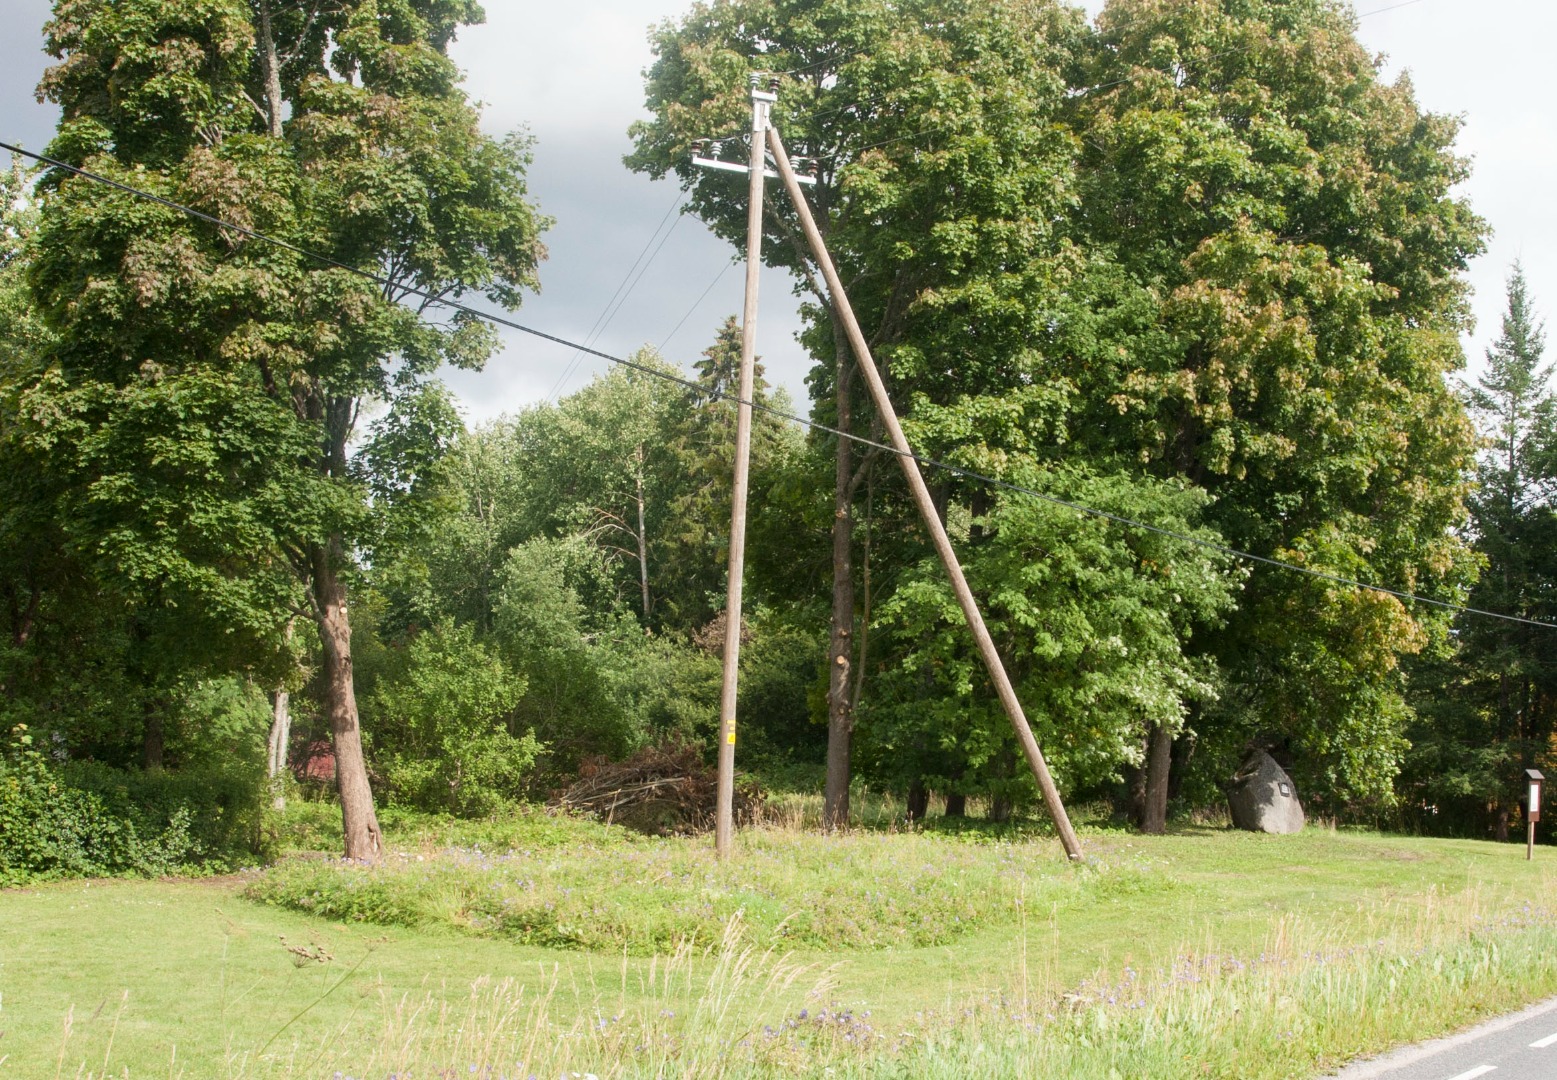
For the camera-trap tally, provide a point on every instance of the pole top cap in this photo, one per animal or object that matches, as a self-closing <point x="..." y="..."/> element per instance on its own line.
<point x="1535" y="774"/>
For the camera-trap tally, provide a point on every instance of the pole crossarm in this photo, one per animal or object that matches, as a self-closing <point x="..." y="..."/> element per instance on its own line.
<point x="921" y="494"/>
<point x="736" y="167"/>
<point x="762" y="102"/>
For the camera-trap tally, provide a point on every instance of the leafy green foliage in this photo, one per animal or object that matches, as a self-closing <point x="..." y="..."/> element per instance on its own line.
<point x="1229" y="256"/>
<point x="1198" y="266"/>
<point x="443" y="710"/>
<point x="200" y="388"/>
<point x="1093" y="622"/>
<point x="1271" y="313"/>
<point x="1486" y="697"/>
<point x="691" y="546"/>
<point x="174" y="491"/>
<point x="585" y="690"/>
<point x="89" y="820"/>
<point x="582" y="544"/>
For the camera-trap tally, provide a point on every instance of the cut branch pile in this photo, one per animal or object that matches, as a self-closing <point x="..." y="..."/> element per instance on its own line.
<point x="660" y="790"/>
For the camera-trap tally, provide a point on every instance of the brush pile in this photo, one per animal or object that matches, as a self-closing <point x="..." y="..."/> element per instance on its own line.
<point x="660" y="790"/>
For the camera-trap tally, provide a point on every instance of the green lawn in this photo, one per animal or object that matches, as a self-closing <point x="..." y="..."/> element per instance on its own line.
<point x="169" y="978"/>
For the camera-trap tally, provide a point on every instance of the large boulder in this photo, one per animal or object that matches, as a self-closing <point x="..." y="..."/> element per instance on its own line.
<point x="1263" y="798"/>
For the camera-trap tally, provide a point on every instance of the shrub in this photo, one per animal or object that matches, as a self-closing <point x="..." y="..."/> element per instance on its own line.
<point x="86" y="820"/>
<point x="222" y="802"/>
<point x="442" y="711"/>
<point x="571" y="655"/>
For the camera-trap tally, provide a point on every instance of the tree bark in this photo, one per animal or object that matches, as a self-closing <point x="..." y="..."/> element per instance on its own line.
<point x="153" y="738"/>
<point x="643" y="537"/>
<point x="956" y="806"/>
<point x="862" y="648"/>
<point x="1159" y="760"/>
<point x="918" y="799"/>
<point x="23" y="616"/>
<point x="1000" y="807"/>
<point x="280" y="738"/>
<point x="358" y="819"/>
<point x="1135" y="788"/>
<point x="840" y="718"/>
<point x="270" y="68"/>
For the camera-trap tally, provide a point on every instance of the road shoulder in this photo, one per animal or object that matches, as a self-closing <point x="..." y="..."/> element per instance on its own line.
<point x="1409" y="1055"/>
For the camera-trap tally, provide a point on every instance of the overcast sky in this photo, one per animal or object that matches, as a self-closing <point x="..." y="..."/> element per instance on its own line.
<point x="571" y="74"/>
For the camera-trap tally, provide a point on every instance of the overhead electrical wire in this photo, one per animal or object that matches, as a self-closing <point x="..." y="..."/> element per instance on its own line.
<point x="924" y="462"/>
<point x="695" y="305"/>
<point x="619" y="297"/>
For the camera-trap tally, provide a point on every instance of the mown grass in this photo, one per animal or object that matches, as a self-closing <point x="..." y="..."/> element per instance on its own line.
<point x="1228" y="955"/>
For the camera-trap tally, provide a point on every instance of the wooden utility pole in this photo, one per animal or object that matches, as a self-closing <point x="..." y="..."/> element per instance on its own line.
<point x="761" y="107"/>
<point x="724" y="824"/>
<point x="921" y="493"/>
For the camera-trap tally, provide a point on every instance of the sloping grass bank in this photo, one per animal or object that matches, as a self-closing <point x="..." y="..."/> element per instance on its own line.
<point x="864" y="890"/>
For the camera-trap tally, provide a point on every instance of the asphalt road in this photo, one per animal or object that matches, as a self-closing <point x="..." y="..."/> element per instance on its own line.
<point x="1522" y="1046"/>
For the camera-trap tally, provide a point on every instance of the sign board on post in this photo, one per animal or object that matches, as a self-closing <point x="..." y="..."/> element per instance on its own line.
<point x="1532" y="809"/>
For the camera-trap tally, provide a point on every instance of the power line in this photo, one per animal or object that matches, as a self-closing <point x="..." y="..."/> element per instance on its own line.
<point x="923" y="462"/>
<point x="608" y="313"/>
<point x="1391" y="7"/>
<point x="695" y="305"/>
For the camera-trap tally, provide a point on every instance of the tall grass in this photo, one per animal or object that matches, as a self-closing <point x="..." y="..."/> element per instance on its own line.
<point x="689" y="1008"/>
<point x="1302" y="1003"/>
<point x="865" y="890"/>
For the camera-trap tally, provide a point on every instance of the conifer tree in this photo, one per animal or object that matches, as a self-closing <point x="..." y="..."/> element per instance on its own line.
<point x="1499" y="712"/>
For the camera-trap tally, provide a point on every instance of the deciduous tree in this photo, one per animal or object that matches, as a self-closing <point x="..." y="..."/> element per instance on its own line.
<point x="942" y="174"/>
<point x="340" y="128"/>
<point x="1273" y="314"/>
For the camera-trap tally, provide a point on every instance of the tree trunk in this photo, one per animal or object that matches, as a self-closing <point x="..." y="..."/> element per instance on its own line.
<point x="153" y="738"/>
<point x="1135" y="788"/>
<point x="280" y="738"/>
<point x="1159" y="760"/>
<point x="23" y="616"/>
<point x="840" y="719"/>
<point x="918" y="799"/>
<point x="643" y="537"/>
<point x="358" y="819"/>
<point x="1001" y="804"/>
<point x="1000" y="807"/>
<point x="270" y="69"/>
<point x="862" y="648"/>
<point x="956" y="806"/>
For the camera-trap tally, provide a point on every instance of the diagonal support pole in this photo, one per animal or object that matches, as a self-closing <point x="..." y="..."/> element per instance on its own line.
<point x="921" y="493"/>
